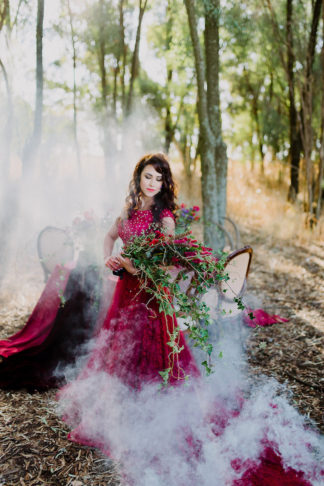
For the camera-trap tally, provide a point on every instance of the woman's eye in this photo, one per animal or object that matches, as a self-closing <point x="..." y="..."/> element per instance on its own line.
<point x="148" y="177"/>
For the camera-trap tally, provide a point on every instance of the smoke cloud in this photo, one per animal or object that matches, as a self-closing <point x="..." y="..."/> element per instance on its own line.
<point x="191" y="434"/>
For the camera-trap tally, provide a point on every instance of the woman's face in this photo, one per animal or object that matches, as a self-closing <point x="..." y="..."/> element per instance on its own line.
<point x="151" y="181"/>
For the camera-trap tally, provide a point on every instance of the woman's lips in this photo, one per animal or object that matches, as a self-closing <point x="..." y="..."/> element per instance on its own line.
<point x="151" y="190"/>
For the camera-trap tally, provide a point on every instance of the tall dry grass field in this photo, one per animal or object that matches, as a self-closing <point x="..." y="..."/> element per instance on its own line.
<point x="260" y="202"/>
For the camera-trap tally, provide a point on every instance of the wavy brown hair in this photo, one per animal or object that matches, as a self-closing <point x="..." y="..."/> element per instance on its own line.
<point x="165" y="199"/>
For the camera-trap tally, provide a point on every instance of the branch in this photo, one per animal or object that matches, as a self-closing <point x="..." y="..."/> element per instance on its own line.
<point x="278" y="37"/>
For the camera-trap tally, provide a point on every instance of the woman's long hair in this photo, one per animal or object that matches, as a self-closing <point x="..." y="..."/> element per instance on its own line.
<point x="165" y="199"/>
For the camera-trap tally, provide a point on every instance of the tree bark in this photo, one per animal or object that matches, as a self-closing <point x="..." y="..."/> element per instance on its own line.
<point x="288" y="63"/>
<point x="168" y="125"/>
<point x="4" y="13"/>
<point x="123" y="49"/>
<point x="294" y="134"/>
<point x="32" y="145"/>
<point x="6" y="146"/>
<point x="307" y="111"/>
<point x="212" y="14"/>
<point x="75" y="120"/>
<point x="321" y="152"/>
<point x="104" y="86"/>
<point x="135" y="57"/>
<point x="211" y="146"/>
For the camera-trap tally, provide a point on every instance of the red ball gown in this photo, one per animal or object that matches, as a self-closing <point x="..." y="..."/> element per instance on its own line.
<point x="63" y="319"/>
<point x="115" y="404"/>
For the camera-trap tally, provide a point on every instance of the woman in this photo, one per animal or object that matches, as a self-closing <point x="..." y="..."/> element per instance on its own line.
<point x="169" y="437"/>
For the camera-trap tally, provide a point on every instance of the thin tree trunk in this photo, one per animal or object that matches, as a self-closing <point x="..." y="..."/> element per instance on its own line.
<point x="294" y="135"/>
<point x="104" y="86"/>
<point x="288" y="66"/>
<point x="256" y="117"/>
<point x="321" y="152"/>
<point x="6" y="147"/>
<point x="123" y="49"/>
<point x="4" y="12"/>
<point x="307" y="99"/>
<point x="134" y="66"/>
<point x="32" y="145"/>
<point x="168" y="125"/>
<point x="75" y="120"/>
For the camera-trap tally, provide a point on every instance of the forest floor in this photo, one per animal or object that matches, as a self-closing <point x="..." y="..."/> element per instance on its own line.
<point x="287" y="279"/>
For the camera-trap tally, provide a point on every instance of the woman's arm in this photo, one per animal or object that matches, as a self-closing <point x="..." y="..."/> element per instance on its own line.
<point x="115" y="262"/>
<point x="109" y="241"/>
<point x="168" y="226"/>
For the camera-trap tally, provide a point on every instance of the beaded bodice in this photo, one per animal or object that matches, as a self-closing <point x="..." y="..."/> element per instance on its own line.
<point x="138" y="223"/>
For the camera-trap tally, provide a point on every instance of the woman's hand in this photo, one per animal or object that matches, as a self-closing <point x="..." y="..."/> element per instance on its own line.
<point x="127" y="264"/>
<point x="112" y="263"/>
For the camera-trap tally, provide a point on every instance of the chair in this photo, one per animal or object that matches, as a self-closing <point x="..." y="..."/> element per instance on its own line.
<point x="237" y="268"/>
<point x="220" y="297"/>
<point x="54" y="246"/>
<point x="231" y="234"/>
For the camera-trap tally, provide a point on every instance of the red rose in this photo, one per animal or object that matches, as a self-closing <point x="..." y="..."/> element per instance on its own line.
<point x="196" y="208"/>
<point x="154" y="242"/>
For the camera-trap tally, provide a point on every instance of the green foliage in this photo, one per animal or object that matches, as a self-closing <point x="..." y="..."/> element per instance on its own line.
<point x="152" y="254"/>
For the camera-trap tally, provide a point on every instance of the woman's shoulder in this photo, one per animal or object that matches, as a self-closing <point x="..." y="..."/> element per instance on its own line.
<point x="167" y="213"/>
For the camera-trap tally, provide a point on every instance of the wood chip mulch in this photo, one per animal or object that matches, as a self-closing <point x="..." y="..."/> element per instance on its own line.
<point x="288" y="279"/>
<point x="34" y="449"/>
<point x="284" y="279"/>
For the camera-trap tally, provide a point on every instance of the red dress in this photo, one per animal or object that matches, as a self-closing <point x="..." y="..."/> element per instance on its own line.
<point x="160" y="437"/>
<point x="63" y="319"/>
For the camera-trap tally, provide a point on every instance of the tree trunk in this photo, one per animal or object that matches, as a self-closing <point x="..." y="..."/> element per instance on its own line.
<point x="32" y="145"/>
<point x="4" y="12"/>
<point x="288" y="66"/>
<point x="212" y="14"/>
<point x="255" y="115"/>
<point x="6" y="145"/>
<point x="307" y="101"/>
<point x="134" y="66"/>
<point x="104" y="87"/>
<point x="321" y="153"/>
<point x="75" y="120"/>
<point x="211" y="146"/>
<point x="294" y="135"/>
<point x="123" y="49"/>
<point x="168" y="125"/>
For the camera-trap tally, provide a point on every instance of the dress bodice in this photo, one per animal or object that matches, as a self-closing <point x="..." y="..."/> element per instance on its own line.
<point x="138" y="223"/>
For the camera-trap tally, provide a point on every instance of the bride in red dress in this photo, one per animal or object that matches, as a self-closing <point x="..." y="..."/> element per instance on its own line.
<point x="186" y="435"/>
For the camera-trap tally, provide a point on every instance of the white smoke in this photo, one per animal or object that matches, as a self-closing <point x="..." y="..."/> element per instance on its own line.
<point x="191" y="434"/>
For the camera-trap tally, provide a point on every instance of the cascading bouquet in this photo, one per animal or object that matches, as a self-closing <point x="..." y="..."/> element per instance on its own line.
<point x="153" y="254"/>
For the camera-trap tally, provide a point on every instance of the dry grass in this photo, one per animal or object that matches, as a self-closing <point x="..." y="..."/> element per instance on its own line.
<point x="261" y="202"/>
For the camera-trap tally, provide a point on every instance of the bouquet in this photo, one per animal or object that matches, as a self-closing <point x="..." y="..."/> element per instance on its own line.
<point x="153" y="254"/>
